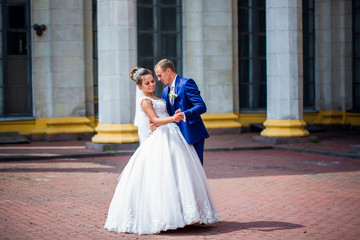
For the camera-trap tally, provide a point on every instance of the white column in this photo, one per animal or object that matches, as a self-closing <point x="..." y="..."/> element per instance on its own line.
<point x="208" y="57"/>
<point x="88" y="59"/>
<point x="41" y="53"/>
<point x="208" y="49"/>
<point x="67" y="46"/>
<point x="284" y="70"/>
<point x="193" y="41"/>
<point x="117" y="54"/>
<point x="333" y="59"/>
<point x="59" y="68"/>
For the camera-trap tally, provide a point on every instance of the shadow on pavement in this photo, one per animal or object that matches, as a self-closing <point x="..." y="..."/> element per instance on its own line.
<point x="268" y="226"/>
<point x="229" y="226"/>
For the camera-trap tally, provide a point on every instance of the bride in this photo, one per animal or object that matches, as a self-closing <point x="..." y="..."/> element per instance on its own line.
<point x="163" y="186"/>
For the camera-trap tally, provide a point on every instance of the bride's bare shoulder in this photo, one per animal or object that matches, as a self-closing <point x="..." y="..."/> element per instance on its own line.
<point x="146" y="100"/>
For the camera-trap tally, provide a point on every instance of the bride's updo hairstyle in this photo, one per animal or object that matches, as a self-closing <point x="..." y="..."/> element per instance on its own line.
<point x="137" y="73"/>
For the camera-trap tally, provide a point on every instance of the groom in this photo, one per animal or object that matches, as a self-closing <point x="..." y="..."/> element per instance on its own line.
<point x="183" y="98"/>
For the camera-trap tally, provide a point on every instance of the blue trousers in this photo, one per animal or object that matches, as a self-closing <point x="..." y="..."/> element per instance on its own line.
<point x="199" y="148"/>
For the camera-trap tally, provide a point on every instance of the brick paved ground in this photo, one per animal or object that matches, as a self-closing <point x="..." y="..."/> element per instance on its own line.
<point x="339" y="141"/>
<point x="264" y="194"/>
<point x="333" y="141"/>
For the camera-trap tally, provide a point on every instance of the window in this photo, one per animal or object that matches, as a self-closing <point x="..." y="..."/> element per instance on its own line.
<point x="15" y="59"/>
<point x="159" y="34"/>
<point x="252" y="55"/>
<point x="309" y="54"/>
<point x="356" y="56"/>
<point x="95" y="57"/>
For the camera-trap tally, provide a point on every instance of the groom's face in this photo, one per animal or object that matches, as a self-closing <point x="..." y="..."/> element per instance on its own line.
<point x="163" y="76"/>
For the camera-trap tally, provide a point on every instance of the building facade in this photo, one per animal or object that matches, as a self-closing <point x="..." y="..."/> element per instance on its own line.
<point x="65" y="63"/>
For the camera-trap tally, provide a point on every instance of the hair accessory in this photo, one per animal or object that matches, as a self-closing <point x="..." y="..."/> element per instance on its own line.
<point x="137" y="73"/>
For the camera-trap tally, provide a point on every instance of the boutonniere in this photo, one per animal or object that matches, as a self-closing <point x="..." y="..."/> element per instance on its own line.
<point x="172" y="95"/>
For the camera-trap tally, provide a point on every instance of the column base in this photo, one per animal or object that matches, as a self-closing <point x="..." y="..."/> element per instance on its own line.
<point x="70" y="125"/>
<point x="220" y="120"/>
<point x="115" y="133"/>
<point x="284" y="128"/>
<point x="66" y="125"/>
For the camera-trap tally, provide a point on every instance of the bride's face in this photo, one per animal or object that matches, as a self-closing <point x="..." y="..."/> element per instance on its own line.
<point x="148" y="84"/>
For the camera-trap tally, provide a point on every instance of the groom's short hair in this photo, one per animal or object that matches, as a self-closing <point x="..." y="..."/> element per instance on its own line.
<point x="165" y="64"/>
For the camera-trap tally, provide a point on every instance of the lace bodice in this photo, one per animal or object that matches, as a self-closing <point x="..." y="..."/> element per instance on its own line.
<point x="159" y="106"/>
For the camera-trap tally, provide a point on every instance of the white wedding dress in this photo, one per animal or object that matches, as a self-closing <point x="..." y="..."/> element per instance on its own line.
<point x="163" y="186"/>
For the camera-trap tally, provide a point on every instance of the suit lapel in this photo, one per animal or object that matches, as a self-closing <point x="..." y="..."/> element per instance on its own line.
<point x="168" y="104"/>
<point x="177" y="82"/>
<point x="177" y="85"/>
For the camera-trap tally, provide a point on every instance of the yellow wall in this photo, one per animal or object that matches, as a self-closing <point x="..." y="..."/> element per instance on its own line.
<point x="211" y="120"/>
<point x="24" y="127"/>
<point x="248" y="118"/>
<point x="331" y="117"/>
<point x="49" y="126"/>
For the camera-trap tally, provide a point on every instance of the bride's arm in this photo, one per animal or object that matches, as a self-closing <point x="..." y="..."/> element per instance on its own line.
<point x="146" y="105"/>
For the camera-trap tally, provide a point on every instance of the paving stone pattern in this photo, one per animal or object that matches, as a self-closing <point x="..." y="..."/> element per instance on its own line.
<point x="263" y="194"/>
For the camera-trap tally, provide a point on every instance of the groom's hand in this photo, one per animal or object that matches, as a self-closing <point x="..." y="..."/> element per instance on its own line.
<point x="178" y="116"/>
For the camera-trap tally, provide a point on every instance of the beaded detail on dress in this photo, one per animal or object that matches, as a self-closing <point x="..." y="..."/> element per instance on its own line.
<point x="159" y="106"/>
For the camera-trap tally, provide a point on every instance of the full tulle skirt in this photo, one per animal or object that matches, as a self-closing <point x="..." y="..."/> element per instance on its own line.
<point x="162" y="187"/>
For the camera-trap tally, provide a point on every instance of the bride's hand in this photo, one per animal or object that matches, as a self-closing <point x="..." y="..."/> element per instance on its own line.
<point x="153" y="126"/>
<point x="178" y="116"/>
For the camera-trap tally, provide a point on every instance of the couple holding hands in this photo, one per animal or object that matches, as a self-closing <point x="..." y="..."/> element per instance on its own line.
<point x="164" y="186"/>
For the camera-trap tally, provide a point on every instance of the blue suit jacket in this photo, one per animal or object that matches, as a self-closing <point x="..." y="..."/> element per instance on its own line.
<point x="192" y="105"/>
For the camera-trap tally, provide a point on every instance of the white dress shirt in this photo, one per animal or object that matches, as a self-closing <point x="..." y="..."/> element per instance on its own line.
<point x="173" y="85"/>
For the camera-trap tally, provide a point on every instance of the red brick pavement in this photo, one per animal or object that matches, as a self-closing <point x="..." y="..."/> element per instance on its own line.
<point x="332" y="141"/>
<point x="338" y="141"/>
<point x="264" y="194"/>
<point x="43" y="148"/>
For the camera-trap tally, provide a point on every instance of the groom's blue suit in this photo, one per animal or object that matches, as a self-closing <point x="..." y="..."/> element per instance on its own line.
<point x="192" y="105"/>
